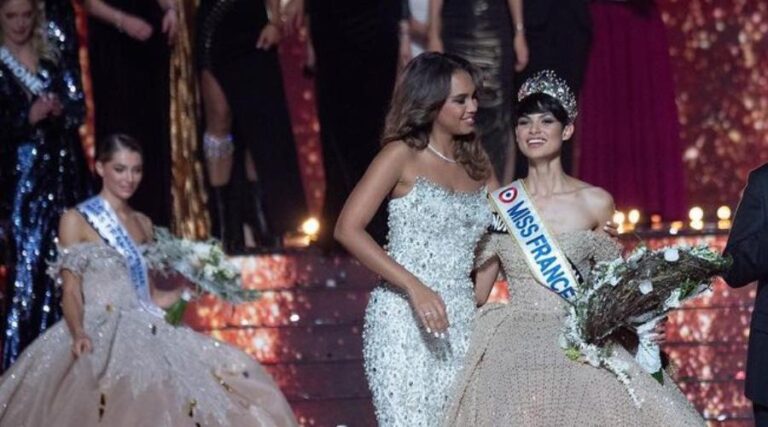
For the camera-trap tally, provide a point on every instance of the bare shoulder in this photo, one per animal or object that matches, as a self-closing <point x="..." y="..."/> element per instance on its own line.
<point x="72" y="228"/>
<point x="597" y="200"/>
<point x="597" y="196"/>
<point x="396" y="151"/>
<point x="71" y="217"/>
<point x="394" y="159"/>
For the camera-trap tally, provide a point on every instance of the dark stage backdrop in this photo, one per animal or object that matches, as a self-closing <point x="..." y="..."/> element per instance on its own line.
<point x="719" y="52"/>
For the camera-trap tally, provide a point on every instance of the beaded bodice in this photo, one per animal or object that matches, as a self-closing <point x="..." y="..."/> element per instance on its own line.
<point x="105" y="277"/>
<point x="433" y="231"/>
<point x="583" y="248"/>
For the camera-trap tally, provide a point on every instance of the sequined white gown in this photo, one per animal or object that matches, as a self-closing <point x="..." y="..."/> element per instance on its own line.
<point x="142" y="372"/>
<point x="432" y="233"/>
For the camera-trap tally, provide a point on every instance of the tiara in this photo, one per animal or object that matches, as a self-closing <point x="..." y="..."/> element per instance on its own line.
<point x="547" y="82"/>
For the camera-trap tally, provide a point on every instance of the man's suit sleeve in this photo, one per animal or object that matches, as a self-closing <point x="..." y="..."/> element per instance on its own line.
<point x="748" y="241"/>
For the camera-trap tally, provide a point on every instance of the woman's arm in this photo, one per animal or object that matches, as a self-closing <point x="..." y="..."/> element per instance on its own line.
<point x="485" y="278"/>
<point x="70" y="227"/>
<point x="170" y="24"/>
<point x="135" y="27"/>
<point x="271" y="33"/>
<point x="435" y="26"/>
<point x="519" y="42"/>
<point x="382" y="176"/>
<point x="293" y="15"/>
<point x="488" y="270"/>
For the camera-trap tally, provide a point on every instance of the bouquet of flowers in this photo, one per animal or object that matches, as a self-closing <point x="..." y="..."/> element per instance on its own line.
<point x="636" y="292"/>
<point x="203" y="263"/>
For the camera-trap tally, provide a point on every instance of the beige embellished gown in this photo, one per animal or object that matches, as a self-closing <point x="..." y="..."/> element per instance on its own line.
<point x="517" y="374"/>
<point x="142" y="371"/>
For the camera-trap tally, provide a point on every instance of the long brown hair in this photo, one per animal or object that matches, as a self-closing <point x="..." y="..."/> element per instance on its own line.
<point x="420" y="93"/>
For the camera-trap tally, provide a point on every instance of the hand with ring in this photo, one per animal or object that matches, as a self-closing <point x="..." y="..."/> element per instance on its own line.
<point x="430" y="309"/>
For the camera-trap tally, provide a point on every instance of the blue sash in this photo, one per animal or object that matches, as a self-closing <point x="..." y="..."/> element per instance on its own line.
<point x="546" y="261"/>
<point x="103" y="219"/>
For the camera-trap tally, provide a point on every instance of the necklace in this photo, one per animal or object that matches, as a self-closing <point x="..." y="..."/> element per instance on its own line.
<point x="439" y="154"/>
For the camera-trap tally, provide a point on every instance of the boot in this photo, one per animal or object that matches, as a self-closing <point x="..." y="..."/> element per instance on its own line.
<point x="257" y="218"/>
<point x="217" y="221"/>
<point x="225" y="226"/>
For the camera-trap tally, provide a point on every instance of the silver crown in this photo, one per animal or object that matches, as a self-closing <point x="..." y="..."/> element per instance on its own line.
<point x="546" y="81"/>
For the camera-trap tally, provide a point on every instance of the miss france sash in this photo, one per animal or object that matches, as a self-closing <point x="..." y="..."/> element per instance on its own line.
<point x="546" y="261"/>
<point x="103" y="219"/>
<point x="33" y="83"/>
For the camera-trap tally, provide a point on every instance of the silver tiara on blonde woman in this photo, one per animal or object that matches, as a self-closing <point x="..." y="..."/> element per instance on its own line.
<point x="546" y="81"/>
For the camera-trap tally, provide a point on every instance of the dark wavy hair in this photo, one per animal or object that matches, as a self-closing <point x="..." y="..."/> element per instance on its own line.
<point x="115" y="142"/>
<point x="420" y="93"/>
<point x="539" y="103"/>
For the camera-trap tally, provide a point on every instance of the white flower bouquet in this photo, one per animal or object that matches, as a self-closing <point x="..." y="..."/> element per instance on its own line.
<point x="635" y="293"/>
<point x="202" y="263"/>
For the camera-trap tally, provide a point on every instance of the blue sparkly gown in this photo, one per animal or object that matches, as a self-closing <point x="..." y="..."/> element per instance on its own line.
<point x="432" y="233"/>
<point x="42" y="172"/>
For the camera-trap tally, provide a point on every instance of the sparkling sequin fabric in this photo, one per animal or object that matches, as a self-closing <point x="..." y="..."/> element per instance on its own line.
<point x="42" y="172"/>
<point x="432" y="233"/>
<point x="517" y="374"/>
<point x="481" y="32"/>
<point x="142" y="372"/>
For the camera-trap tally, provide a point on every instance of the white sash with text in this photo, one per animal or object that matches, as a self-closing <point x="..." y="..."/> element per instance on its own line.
<point x="546" y="261"/>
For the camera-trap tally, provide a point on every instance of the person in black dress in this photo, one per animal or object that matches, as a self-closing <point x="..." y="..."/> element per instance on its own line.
<point x="61" y="30"/>
<point x="559" y="34"/>
<point x="748" y="247"/>
<point x="490" y="34"/>
<point x="248" y="141"/>
<point x="128" y="46"/>
<point x="356" y="45"/>
<point x="42" y="167"/>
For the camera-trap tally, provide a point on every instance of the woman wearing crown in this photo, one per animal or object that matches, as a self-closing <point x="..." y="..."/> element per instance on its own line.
<point x="546" y="237"/>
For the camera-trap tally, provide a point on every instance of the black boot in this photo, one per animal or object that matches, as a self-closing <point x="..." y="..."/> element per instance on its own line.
<point x="218" y="213"/>
<point x="227" y="224"/>
<point x="257" y="218"/>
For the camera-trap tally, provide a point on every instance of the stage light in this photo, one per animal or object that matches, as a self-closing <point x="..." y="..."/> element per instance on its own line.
<point x="697" y="224"/>
<point x="723" y="213"/>
<point x="696" y="214"/>
<point x="634" y="216"/>
<point x="619" y="217"/>
<point x="310" y="227"/>
<point x="675" y="227"/>
<point x="656" y="222"/>
<point x="724" y="218"/>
